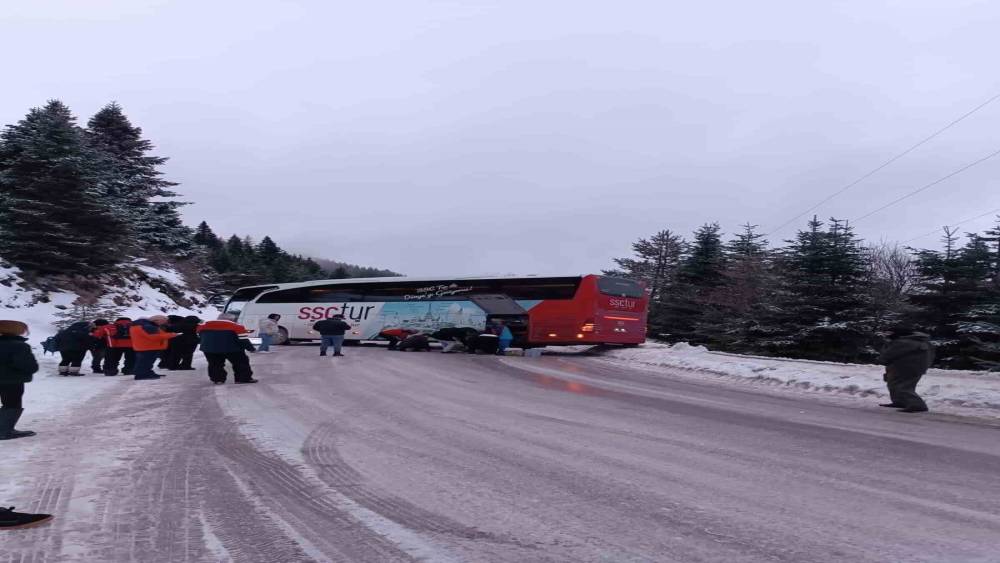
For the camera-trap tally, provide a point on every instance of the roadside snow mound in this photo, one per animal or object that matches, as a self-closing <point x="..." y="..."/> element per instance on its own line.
<point x="965" y="389"/>
<point x="135" y="291"/>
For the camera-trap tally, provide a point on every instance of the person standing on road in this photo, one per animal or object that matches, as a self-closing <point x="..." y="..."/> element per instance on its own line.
<point x="184" y="345"/>
<point x="220" y="342"/>
<point x="268" y="330"/>
<point x="73" y="343"/>
<point x="17" y="367"/>
<point x="149" y="340"/>
<point x="906" y="358"/>
<point x="98" y="346"/>
<point x="332" y="333"/>
<point x="119" y="346"/>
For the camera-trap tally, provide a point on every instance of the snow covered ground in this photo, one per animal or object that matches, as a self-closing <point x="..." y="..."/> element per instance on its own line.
<point x="957" y="392"/>
<point x="137" y="298"/>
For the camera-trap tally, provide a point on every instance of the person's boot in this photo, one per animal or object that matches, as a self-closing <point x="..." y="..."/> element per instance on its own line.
<point x="10" y="520"/>
<point x="8" y="420"/>
<point x="63" y="370"/>
<point x="74" y="371"/>
<point x="891" y="405"/>
<point x="920" y="408"/>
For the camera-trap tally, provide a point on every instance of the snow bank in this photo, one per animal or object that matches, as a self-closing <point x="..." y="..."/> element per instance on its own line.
<point x="961" y="392"/>
<point x="136" y="298"/>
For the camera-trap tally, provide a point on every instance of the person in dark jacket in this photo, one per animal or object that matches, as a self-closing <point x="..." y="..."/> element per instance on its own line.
<point x="395" y="335"/>
<point x="416" y="342"/>
<point x="221" y="342"/>
<point x="119" y="346"/>
<point x="98" y="346"/>
<point x="906" y="358"/>
<point x="10" y="520"/>
<point x="73" y="343"/>
<point x="17" y="367"/>
<point x="486" y="342"/>
<point x="332" y="333"/>
<point x="169" y="358"/>
<point x="180" y="351"/>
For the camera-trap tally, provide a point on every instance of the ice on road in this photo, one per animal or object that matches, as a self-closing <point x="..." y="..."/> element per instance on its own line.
<point x="390" y="456"/>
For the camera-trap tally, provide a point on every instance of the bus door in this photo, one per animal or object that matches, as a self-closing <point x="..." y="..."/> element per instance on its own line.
<point x="502" y="307"/>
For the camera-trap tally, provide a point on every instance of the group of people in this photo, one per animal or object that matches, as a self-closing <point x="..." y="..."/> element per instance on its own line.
<point x="169" y="340"/>
<point x="494" y="339"/>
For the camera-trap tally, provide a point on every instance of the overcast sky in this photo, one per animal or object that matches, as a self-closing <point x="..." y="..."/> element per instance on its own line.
<point x="454" y="137"/>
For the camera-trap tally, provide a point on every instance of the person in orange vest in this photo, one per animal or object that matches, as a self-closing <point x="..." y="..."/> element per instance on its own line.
<point x="119" y="343"/>
<point x="149" y="340"/>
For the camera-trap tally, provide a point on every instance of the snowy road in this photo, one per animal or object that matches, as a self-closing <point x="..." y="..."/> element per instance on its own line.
<point x="382" y="456"/>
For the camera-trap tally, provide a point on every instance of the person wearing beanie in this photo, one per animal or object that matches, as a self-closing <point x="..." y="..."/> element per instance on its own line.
<point x="98" y="346"/>
<point x="17" y="367"/>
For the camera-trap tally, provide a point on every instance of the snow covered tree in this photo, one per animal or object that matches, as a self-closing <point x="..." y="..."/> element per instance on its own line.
<point x="204" y="236"/>
<point x="55" y="216"/>
<point x="701" y="271"/>
<point x="137" y="183"/>
<point x="655" y="262"/>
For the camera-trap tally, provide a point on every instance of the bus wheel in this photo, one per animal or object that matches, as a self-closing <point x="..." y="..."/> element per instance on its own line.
<point x="282" y="338"/>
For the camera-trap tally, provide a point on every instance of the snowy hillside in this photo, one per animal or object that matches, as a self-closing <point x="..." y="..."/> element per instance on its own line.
<point x="952" y="391"/>
<point x="134" y="290"/>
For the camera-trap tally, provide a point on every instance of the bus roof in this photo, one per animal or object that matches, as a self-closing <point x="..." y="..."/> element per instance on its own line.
<point x="404" y="279"/>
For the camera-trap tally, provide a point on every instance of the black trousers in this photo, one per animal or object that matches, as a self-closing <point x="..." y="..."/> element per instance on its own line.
<point x="114" y="356"/>
<point x="903" y="391"/>
<point x="74" y="358"/>
<point x="97" y="359"/>
<point x="11" y="394"/>
<point x="180" y="356"/>
<point x="217" y="365"/>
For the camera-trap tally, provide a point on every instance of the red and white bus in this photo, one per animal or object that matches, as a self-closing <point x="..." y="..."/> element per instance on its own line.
<point x="541" y="310"/>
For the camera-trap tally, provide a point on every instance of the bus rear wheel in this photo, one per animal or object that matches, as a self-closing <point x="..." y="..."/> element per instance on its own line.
<point x="282" y="338"/>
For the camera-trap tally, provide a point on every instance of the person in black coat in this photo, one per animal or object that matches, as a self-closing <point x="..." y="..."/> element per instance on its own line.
<point x="332" y="333"/>
<point x="180" y="352"/>
<point x="98" y="346"/>
<point x="221" y="342"/>
<point x="906" y="358"/>
<point x="170" y="358"/>
<point x="73" y="342"/>
<point x="17" y="367"/>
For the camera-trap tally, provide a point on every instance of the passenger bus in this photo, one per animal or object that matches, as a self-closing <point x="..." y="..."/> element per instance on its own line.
<point x="540" y="311"/>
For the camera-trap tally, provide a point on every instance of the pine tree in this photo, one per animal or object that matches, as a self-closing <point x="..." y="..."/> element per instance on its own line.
<point x="54" y="213"/>
<point x="138" y="184"/>
<point x="204" y="236"/>
<point x="701" y="271"/>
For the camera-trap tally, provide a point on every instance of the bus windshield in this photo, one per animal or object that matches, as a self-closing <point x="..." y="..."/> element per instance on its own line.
<point x="244" y="296"/>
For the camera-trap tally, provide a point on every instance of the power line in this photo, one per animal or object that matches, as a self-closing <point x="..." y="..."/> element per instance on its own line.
<point x="930" y="185"/>
<point x="962" y="222"/>
<point x="887" y="163"/>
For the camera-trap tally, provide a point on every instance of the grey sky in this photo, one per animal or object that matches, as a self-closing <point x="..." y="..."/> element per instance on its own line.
<point x="449" y="137"/>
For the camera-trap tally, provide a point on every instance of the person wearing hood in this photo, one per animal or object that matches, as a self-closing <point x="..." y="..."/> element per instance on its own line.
<point x="906" y="358"/>
<point x="149" y="340"/>
<point x="169" y="358"/>
<point x="17" y="367"/>
<point x="504" y="337"/>
<point x="73" y="342"/>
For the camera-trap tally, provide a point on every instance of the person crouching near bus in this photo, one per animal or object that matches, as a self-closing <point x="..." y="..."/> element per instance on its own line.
<point x="268" y="330"/>
<point x="331" y="332"/>
<point x="504" y="337"/>
<point x="220" y="342"/>
<point x="149" y="340"/>
<point x="17" y="367"/>
<point x="119" y="343"/>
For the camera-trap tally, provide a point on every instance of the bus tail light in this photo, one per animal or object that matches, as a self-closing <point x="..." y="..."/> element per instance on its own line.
<point x="553" y="335"/>
<point x="588" y="326"/>
<point x="579" y="335"/>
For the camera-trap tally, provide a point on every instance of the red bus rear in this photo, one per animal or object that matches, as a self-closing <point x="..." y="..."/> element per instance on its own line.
<point x="605" y="310"/>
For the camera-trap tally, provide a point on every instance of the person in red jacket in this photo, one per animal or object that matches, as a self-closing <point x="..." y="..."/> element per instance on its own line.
<point x="149" y="340"/>
<point x="116" y="335"/>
